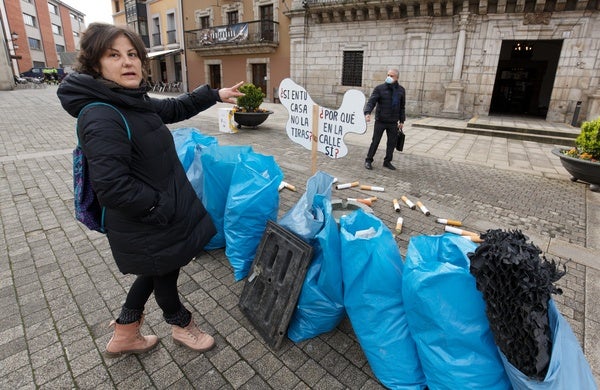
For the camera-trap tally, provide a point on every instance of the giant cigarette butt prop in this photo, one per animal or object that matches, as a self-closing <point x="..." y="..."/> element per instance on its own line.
<point x="372" y="188"/>
<point x="465" y="233"/>
<point x="347" y="185"/>
<point x="408" y="202"/>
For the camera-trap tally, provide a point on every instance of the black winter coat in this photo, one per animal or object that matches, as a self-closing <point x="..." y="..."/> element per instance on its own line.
<point x="155" y="222"/>
<point x="382" y="96"/>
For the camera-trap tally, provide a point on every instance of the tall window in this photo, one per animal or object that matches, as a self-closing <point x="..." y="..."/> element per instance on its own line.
<point x="352" y="68"/>
<point x="232" y="17"/>
<point x="156" y="33"/>
<point x="171" y="32"/>
<point x="35" y="44"/>
<point x="60" y="48"/>
<point x="56" y="29"/>
<point x="29" y="20"/>
<point x="204" y="22"/>
<point x="53" y="8"/>
<point x="266" y="22"/>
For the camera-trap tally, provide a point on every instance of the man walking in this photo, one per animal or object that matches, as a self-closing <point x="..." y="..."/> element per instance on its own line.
<point x="390" y="99"/>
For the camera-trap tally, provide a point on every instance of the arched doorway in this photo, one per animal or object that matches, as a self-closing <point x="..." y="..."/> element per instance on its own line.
<point x="525" y="77"/>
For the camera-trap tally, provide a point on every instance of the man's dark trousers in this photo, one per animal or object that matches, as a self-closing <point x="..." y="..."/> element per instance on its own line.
<point x="391" y="130"/>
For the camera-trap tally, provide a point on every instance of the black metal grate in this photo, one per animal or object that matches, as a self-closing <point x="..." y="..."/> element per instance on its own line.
<point x="271" y="291"/>
<point x="352" y="68"/>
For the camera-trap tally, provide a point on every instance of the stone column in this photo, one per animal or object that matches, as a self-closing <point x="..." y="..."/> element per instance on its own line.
<point x="454" y="91"/>
<point x="593" y="111"/>
<point x="297" y="47"/>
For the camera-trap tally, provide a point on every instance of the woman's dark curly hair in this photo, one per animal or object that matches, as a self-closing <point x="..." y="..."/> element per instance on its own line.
<point x="98" y="38"/>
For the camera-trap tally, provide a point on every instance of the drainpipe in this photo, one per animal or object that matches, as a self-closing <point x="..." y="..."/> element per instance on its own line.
<point x="184" y="74"/>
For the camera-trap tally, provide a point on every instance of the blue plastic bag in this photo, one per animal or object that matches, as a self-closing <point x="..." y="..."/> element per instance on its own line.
<point x="446" y="316"/>
<point x="218" y="163"/>
<point x="568" y="368"/>
<point x="189" y="143"/>
<point x="186" y="142"/>
<point x="372" y="276"/>
<point x="253" y="199"/>
<point x="304" y="219"/>
<point x="320" y="307"/>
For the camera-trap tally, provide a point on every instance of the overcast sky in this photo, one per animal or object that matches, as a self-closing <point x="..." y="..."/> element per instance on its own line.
<point x="94" y="10"/>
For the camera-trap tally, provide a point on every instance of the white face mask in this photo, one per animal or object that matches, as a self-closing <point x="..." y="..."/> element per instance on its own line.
<point x="389" y="80"/>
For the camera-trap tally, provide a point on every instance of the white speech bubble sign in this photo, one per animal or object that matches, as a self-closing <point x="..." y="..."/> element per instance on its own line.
<point x="333" y="124"/>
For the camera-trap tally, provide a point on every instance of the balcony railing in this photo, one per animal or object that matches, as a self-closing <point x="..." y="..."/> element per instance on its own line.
<point x="259" y="36"/>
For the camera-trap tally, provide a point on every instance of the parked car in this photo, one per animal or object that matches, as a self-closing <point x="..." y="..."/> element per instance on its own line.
<point x="44" y="73"/>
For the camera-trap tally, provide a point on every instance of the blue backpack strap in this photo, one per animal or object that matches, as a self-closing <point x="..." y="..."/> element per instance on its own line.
<point x="77" y="134"/>
<point x="107" y="105"/>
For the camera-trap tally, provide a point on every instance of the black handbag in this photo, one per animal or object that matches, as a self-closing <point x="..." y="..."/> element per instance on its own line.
<point x="400" y="140"/>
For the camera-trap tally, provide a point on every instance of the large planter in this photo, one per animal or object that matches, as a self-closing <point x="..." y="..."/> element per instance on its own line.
<point x="579" y="169"/>
<point x="250" y="119"/>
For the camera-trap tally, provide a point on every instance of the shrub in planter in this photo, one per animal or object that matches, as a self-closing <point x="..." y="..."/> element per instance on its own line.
<point x="583" y="161"/>
<point x="247" y="112"/>
<point x="587" y="142"/>
<point x="252" y="99"/>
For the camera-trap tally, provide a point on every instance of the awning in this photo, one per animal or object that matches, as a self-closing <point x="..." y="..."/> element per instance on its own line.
<point x="154" y="54"/>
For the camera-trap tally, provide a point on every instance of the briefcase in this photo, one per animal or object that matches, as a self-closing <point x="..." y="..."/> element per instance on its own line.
<point x="400" y="141"/>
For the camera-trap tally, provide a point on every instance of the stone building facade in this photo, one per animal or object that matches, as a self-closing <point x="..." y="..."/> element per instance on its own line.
<point x="538" y="58"/>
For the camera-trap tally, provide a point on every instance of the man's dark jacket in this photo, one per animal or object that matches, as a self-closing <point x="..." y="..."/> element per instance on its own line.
<point x="155" y="221"/>
<point x="382" y="96"/>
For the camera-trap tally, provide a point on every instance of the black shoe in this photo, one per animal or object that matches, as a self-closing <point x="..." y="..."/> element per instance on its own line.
<point x="368" y="165"/>
<point x="389" y="165"/>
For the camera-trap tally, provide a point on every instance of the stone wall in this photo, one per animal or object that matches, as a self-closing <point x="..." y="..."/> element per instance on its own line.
<point x="424" y="49"/>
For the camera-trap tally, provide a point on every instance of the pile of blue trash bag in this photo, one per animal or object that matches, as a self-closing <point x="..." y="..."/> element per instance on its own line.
<point x="421" y="321"/>
<point x="239" y="189"/>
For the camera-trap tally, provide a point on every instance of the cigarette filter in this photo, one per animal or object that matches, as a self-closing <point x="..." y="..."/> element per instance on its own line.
<point x="449" y="222"/>
<point x="396" y="205"/>
<point x="372" y="188"/>
<point x="372" y="198"/>
<point x="408" y="202"/>
<point x="399" y="225"/>
<point x="346" y="185"/>
<point x="423" y="208"/>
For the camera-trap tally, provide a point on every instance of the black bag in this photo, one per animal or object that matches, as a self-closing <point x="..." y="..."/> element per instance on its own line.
<point x="400" y="140"/>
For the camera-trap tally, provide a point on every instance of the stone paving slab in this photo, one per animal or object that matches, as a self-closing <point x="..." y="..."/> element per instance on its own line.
<point x="59" y="286"/>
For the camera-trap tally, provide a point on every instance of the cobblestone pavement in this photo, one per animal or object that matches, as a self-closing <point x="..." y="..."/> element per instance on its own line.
<point x="59" y="286"/>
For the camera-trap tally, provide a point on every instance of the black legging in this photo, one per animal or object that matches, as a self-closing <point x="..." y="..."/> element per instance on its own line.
<point x="165" y="293"/>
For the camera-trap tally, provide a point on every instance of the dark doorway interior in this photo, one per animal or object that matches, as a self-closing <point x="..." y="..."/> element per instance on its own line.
<point x="214" y="71"/>
<point x="259" y="76"/>
<point x="525" y="77"/>
<point x="163" y="71"/>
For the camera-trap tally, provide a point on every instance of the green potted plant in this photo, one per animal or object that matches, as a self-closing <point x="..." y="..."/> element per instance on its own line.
<point x="583" y="161"/>
<point x="247" y="111"/>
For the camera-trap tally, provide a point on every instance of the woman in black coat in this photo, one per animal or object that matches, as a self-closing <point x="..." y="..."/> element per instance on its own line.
<point x="154" y="221"/>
